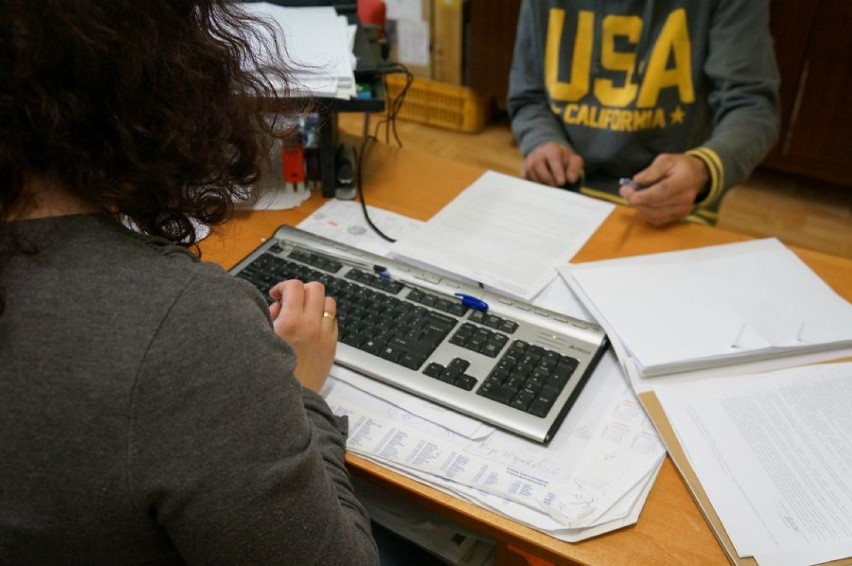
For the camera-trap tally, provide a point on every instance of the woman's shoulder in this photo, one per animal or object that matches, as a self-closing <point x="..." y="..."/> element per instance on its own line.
<point x="151" y="273"/>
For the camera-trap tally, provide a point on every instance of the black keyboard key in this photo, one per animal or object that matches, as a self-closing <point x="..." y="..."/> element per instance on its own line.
<point x="503" y="394"/>
<point x="523" y="368"/>
<point x="518" y="348"/>
<point x="514" y="382"/>
<point x="391" y="354"/>
<point x="508" y="326"/>
<point x="411" y="361"/>
<point x="499" y="375"/>
<point x="476" y="343"/>
<point x="457" y="309"/>
<point x="522" y="400"/>
<point x="434" y="370"/>
<point x="459" y="364"/>
<point x="492" y="321"/>
<point x="565" y="368"/>
<point x="492" y="348"/>
<point x="548" y="393"/>
<point x="539" y="408"/>
<point x="447" y="377"/>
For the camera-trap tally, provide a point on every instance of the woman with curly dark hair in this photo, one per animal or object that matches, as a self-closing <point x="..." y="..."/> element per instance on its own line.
<point x="153" y="409"/>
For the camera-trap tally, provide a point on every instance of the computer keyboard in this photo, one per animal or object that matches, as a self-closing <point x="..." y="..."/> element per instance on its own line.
<point x="497" y="359"/>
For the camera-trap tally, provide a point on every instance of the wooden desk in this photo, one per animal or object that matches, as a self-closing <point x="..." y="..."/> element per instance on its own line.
<point x="671" y="528"/>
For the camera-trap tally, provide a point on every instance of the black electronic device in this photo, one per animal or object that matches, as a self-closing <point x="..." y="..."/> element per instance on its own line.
<point x="346" y="172"/>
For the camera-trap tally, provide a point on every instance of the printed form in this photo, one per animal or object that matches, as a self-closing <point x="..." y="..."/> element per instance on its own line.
<point x="505" y="233"/>
<point x="773" y="452"/>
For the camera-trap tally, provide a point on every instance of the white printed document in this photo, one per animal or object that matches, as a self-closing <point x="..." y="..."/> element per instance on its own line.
<point x="677" y="312"/>
<point x="773" y="453"/>
<point x="505" y="233"/>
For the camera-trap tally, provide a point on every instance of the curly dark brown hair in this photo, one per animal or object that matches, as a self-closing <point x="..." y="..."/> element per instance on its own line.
<point x="144" y="108"/>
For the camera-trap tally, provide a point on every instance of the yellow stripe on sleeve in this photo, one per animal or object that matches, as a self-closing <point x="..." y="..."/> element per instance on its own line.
<point x="717" y="172"/>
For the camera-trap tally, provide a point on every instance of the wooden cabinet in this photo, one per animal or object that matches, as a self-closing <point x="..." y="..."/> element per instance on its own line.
<point x="490" y="42"/>
<point x="813" y="43"/>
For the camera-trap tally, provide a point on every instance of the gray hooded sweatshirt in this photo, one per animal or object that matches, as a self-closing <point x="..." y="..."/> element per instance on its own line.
<point x="621" y="81"/>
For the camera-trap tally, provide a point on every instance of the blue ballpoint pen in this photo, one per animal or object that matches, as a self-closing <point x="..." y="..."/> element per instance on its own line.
<point x="630" y="183"/>
<point x="472" y="302"/>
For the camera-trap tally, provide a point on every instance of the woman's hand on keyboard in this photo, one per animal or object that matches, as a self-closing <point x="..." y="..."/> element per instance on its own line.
<point x="304" y="317"/>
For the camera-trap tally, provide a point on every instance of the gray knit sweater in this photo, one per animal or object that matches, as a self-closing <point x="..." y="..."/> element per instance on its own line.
<point x="148" y="413"/>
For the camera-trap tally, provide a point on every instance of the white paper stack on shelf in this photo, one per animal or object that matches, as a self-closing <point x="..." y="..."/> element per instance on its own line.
<point x="594" y="476"/>
<point x="732" y="308"/>
<point x="317" y="45"/>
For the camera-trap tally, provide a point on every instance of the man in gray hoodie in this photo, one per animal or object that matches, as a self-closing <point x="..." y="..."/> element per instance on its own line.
<point x="660" y="105"/>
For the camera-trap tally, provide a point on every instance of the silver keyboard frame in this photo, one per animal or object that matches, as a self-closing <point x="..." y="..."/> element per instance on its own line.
<point x="586" y="342"/>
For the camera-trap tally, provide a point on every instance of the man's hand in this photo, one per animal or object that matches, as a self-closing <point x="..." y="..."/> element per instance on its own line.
<point x="552" y="164"/>
<point x="672" y="182"/>
<point x="307" y="319"/>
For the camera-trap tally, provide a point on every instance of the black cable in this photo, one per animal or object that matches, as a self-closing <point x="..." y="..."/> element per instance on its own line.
<point x="361" y="156"/>
<point x="398" y="101"/>
<point x="394" y="106"/>
<point x="393" y="109"/>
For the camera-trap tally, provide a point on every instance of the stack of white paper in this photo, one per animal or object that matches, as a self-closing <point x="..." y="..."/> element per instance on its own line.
<point x="317" y="45"/>
<point x="774" y="455"/>
<point x="712" y="307"/>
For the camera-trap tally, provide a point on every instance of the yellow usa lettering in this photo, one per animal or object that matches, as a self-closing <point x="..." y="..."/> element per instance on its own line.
<point x="669" y="64"/>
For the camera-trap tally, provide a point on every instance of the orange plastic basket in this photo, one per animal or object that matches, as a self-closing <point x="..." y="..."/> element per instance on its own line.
<point x="439" y="104"/>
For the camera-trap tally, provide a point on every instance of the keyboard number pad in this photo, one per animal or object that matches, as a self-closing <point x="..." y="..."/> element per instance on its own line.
<point x="528" y="378"/>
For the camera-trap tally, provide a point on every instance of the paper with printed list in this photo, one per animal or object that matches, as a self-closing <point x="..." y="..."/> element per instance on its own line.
<point x="592" y="478"/>
<point x="505" y="233"/>
<point x="773" y="453"/>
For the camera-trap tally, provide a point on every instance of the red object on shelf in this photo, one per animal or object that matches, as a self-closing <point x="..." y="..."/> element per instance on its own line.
<point x="293" y="164"/>
<point x="373" y="12"/>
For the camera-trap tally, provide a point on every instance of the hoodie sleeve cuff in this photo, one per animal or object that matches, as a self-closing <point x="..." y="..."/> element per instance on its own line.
<point x="717" y="173"/>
